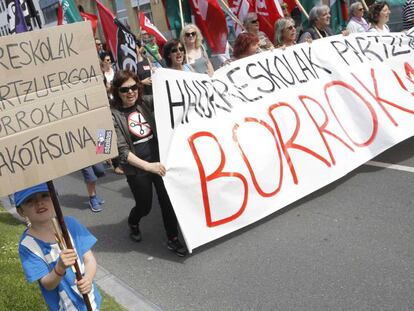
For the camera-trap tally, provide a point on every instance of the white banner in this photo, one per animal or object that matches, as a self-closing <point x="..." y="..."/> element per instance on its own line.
<point x="267" y="130"/>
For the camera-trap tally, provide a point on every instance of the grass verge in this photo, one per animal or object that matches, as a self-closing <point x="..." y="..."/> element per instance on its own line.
<point x="16" y="294"/>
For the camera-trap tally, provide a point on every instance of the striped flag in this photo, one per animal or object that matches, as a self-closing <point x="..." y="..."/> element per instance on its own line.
<point x="149" y="27"/>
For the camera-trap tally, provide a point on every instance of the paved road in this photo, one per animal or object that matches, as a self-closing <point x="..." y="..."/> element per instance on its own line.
<point x="348" y="246"/>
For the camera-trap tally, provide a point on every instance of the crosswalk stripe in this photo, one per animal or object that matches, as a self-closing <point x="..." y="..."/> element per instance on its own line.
<point x="391" y="166"/>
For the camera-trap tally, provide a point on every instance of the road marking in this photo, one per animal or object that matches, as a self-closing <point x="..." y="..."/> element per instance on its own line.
<point x="391" y="166"/>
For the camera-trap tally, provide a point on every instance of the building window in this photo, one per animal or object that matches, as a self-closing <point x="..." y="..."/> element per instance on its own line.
<point x="121" y="11"/>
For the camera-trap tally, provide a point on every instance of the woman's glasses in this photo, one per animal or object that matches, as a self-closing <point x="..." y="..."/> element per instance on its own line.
<point x="290" y="28"/>
<point x="126" y="89"/>
<point x="175" y="50"/>
<point x="190" y="34"/>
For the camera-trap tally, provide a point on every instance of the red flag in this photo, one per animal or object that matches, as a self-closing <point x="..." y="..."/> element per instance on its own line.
<point x="240" y="8"/>
<point x="120" y="40"/>
<point x="268" y="12"/>
<point x="210" y="18"/>
<point x="92" y="18"/>
<point x="108" y="26"/>
<point x="291" y="4"/>
<point x="146" y="25"/>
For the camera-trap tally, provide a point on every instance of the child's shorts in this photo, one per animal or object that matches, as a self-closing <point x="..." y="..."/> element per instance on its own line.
<point x="93" y="172"/>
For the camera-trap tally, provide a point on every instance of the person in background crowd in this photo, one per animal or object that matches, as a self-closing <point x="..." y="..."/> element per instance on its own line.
<point x="138" y="151"/>
<point x="107" y="70"/>
<point x="319" y="19"/>
<point x="378" y="16"/>
<point x="285" y="9"/>
<point x="174" y="55"/>
<point x="144" y="68"/>
<point x="285" y="32"/>
<point x="43" y="260"/>
<point x="108" y="73"/>
<point x="357" y="22"/>
<point x="90" y="176"/>
<point x="246" y="44"/>
<point x="196" y="56"/>
<point x="251" y="24"/>
<point x="408" y="14"/>
<point x="99" y="47"/>
<point x="152" y="46"/>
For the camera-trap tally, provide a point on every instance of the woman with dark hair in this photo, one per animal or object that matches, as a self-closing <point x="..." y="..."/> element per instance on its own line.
<point x="174" y="55"/>
<point x="138" y="152"/>
<point x="357" y="22"/>
<point x="246" y="44"/>
<point x="144" y="68"/>
<point x="107" y="69"/>
<point x="378" y="16"/>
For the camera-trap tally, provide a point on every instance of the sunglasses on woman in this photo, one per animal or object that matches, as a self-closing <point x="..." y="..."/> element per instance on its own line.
<point x="125" y="89"/>
<point x="190" y="34"/>
<point x="175" y="50"/>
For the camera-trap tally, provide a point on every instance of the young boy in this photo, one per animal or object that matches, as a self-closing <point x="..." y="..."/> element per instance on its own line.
<point x="43" y="261"/>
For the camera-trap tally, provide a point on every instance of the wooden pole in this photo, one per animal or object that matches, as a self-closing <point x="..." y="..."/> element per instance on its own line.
<point x="364" y="4"/>
<point x="181" y="13"/>
<point x="302" y="9"/>
<point x="233" y="16"/>
<point x="66" y="237"/>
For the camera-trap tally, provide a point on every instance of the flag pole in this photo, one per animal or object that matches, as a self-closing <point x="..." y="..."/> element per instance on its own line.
<point x="364" y="4"/>
<point x="233" y="16"/>
<point x="182" y="24"/>
<point x="180" y="5"/>
<point x="66" y="237"/>
<point x="302" y="9"/>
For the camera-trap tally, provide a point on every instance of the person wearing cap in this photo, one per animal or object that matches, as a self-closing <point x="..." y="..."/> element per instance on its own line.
<point x="44" y="261"/>
<point x="251" y="23"/>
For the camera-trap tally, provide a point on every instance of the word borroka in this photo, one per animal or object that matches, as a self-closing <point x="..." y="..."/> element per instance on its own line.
<point x="267" y="130"/>
<point x="52" y="106"/>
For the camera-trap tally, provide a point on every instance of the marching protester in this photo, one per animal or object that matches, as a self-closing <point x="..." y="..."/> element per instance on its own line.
<point x="144" y="68"/>
<point x="379" y="15"/>
<point x="44" y="261"/>
<point x="196" y="55"/>
<point x="251" y="24"/>
<point x="108" y="75"/>
<point x="153" y="48"/>
<point x="319" y="19"/>
<point x="285" y="9"/>
<point x="174" y="55"/>
<point x="90" y="176"/>
<point x="107" y="70"/>
<point x="285" y="32"/>
<point x="134" y="124"/>
<point x="245" y="45"/>
<point x="408" y="14"/>
<point x="357" y="22"/>
<point x="99" y="47"/>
